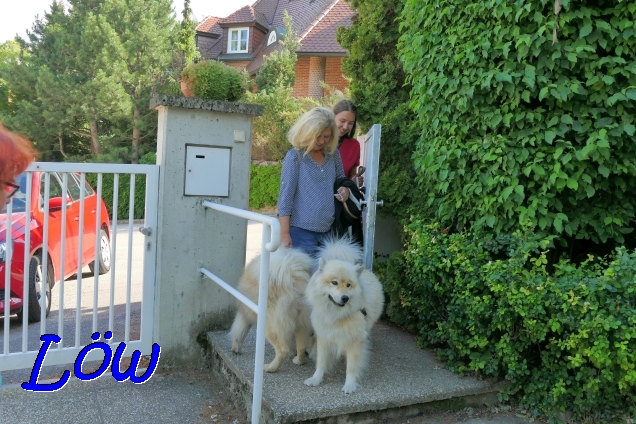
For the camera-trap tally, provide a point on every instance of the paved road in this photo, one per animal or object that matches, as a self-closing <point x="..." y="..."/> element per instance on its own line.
<point x="118" y="280"/>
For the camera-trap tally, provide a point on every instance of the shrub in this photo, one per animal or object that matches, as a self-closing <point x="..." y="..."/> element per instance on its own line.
<point x="269" y="132"/>
<point x="211" y="79"/>
<point x="564" y="339"/>
<point x="264" y="186"/>
<point x="520" y="127"/>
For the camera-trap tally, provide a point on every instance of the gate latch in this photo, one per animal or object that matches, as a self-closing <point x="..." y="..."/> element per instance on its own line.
<point x="146" y="231"/>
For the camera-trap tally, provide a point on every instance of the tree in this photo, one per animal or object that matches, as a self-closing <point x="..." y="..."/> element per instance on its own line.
<point x="136" y="40"/>
<point x="9" y="55"/>
<point x="381" y="95"/>
<point x="527" y="116"/>
<point x="279" y="67"/>
<point x="187" y="51"/>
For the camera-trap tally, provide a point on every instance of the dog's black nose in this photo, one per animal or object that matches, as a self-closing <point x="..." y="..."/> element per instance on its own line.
<point x="345" y="299"/>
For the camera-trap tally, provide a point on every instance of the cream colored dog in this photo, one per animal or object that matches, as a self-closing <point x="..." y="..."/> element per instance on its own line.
<point x="346" y="300"/>
<point x="287" y="311"/>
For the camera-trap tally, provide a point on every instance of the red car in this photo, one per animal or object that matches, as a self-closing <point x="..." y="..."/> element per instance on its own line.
<point x="71" y="239"/>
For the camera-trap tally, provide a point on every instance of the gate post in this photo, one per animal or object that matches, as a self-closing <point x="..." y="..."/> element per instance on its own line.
<point x="203" y="149"/>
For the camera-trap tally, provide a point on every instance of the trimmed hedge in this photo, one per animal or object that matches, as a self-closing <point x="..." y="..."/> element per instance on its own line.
<point x="564" y="337"/>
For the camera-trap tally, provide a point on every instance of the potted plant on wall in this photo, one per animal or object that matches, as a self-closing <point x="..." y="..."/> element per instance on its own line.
<point x="212" y="79"/>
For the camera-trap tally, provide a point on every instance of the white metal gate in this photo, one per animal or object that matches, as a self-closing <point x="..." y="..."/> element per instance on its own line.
<point x="62" y="227"/>
<point x="370" y="154"/>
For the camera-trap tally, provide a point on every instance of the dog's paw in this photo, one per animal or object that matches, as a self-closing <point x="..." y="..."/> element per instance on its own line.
<point x="350" y="387"/>
<point x="300" y="360"/>
<point x="270" y="368"/>
<point x="236" y="348"/>
<point x="313" y="381"/>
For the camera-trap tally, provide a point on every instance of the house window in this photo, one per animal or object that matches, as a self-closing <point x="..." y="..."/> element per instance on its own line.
<point x="272" y="38"/>
<point x="237" y="40"/>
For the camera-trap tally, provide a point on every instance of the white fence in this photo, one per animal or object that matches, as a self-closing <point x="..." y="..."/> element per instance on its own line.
<point x="270" y="242"/>
<point x="69" y="217"/>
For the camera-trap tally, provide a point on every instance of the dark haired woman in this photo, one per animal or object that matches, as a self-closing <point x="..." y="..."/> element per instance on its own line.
<point x="349" y="148"/>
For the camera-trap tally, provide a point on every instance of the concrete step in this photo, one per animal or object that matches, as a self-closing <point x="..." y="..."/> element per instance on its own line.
<point x="401" y="381"/>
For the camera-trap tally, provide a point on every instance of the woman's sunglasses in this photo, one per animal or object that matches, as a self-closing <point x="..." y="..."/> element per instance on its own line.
<point x="10" y="189"/>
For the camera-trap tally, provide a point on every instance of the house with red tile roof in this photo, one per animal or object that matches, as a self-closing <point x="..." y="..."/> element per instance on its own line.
<point x="243" y="38"/>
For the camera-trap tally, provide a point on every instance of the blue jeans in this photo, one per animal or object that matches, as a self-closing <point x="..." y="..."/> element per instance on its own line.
<point x="305" y="240"/>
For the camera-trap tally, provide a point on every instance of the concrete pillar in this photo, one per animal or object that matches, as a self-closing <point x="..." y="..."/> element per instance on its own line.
<point x="189" y="236"/>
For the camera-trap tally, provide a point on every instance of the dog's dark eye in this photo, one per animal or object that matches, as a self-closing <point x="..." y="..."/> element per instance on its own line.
<point x="334" y="282"/>
<point x="348" y="284"/>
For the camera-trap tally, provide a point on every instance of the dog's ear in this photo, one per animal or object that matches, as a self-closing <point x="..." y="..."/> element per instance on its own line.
<point x="321" y="264"/>
<point x="359" y="269"/>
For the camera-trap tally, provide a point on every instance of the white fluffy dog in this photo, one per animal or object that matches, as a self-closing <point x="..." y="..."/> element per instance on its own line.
<point x="346" y="300"/>
<point x="287" y="311"/>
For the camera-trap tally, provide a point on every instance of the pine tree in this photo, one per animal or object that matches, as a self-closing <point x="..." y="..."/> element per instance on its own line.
<point x="136" y="40"/>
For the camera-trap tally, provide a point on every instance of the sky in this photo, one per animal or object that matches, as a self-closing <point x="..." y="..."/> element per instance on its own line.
<point x="18" y="16"/>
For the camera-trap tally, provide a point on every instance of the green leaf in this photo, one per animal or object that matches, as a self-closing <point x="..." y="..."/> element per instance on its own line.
<point x="629" y="129"/>
<point x="590" y="190"/>
<point x="549" y="136"/>
<point x="585" y="30"/>
<point x="608" y="79"/>
<point x="490" y="220"/>
<point x="544" y="93"/>
<point x="572" y="184"/>
<point x="538" y="170"/>
<point x="506" y="192"/>
<point x="557" y="224"/>
<point x="503" y="76"/>
<point x="631" y="94"/>
<point x="566" y="119"/>
<point x="604" y="171"/>
<point x="553" y="121"/>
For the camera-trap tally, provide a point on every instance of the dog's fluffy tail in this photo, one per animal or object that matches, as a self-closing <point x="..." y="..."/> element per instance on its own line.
<point x="343" y="249"/>
<point x="288" y="266"/>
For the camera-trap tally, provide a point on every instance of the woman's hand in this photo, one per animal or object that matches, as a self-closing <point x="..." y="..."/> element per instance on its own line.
<point x="343" y="194"/>
<point x="285" y="240"/>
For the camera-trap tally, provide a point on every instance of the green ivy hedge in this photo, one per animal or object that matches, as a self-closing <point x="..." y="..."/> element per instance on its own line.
<point x="528" y="117"/>
<point x="264" y="186"/>
<point x="123" y="200"/>
<point x="564" y="337"/>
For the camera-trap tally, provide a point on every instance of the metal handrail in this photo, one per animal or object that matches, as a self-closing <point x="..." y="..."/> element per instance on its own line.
<point x="270" y="242"/>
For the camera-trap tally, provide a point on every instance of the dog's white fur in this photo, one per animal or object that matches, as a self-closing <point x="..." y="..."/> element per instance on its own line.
<point x="340" y="293"/>
<point x="287" y="311"/>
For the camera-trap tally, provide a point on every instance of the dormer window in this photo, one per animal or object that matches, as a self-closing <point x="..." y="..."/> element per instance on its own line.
<point x="272" y="37"/>
<point x="237" y="40"/>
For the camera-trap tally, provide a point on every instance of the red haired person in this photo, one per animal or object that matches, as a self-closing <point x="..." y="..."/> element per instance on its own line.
<point x="16" y="153"/>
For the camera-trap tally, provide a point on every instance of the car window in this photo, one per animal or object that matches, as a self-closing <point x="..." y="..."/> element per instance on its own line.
<point x="19" y="199"/>
<point x="55" y="187"/>
<point x="74" y="187"/>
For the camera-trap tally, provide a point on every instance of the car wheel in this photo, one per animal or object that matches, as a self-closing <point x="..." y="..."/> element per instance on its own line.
<point x="35" y="289"/>
<point x="104" y="254"/>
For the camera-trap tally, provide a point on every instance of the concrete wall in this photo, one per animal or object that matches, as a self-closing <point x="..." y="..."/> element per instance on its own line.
<point x="191" y="237"/>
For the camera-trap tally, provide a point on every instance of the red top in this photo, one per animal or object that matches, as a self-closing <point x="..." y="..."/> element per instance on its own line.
<point x="350" y="152"/>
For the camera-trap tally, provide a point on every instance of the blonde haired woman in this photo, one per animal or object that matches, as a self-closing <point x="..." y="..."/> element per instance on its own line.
<point x="305" y="202"/>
